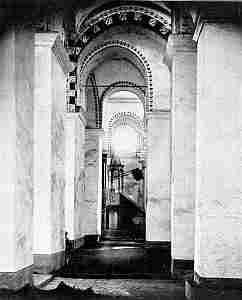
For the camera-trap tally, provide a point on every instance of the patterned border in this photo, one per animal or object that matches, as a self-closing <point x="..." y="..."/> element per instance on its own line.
<point x="121" y="44"/>
<point x="122" y="85"/>
<point x="126" y="115"/>
<point x="88" y="29"/>
<point x="122" y="10"/>
<point x="131" y="119"/>
<point x="91" y="27"/>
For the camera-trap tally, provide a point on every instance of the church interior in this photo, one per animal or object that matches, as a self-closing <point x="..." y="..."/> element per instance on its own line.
<point x="120" y="152"/>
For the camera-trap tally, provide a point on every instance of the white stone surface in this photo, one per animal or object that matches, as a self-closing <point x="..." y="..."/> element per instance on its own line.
<point x="91" y="206"/>
<point x="75" y="174"/>
<point x="16" y="151"/>
<point x="219" y="169"/>
<point x="184" y="64"/>
<point x="49" y="145"/>
<point x="158" y="177"/>
<point x="70" y="124"/>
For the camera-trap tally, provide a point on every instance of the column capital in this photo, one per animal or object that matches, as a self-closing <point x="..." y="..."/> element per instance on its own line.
<point x="53" y="41"/>
<point x="180" y="43"/>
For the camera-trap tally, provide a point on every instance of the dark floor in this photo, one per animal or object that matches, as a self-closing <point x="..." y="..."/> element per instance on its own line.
<point x="103" y="289"/>
<point x="110" y="260"/>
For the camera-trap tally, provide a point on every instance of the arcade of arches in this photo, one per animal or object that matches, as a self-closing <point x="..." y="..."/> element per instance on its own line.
<point x="121" y="120"/>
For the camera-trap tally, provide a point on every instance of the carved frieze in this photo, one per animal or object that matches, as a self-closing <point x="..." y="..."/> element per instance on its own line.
<point x="126" y="14"/>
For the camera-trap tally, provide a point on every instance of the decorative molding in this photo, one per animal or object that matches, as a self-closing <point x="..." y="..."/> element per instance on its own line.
<point x="122" y="12"/>
<point x="120" y="44"/>
<point x="86" y="30"/>
<point x="126" y="115"/>
<point x="126" y="118"/>
<point x="122" y="85"/>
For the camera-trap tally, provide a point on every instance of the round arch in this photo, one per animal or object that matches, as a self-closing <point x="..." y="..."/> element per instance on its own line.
<point x="121" y="86"/>
<point x="88" y="27"/>
<point x="87" y="63"/>
<point x="125" y="119"/>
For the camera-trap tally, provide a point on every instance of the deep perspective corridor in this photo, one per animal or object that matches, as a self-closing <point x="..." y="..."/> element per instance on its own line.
<point x="120" y="127"/>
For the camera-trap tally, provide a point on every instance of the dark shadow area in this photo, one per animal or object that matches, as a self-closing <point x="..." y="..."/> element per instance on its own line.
<point x="165" y="290"/>
<point x="119" y="261"/>
<point x="62" y="292"/>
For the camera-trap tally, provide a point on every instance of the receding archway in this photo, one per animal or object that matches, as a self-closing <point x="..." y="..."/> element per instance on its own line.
<point x="124" y="148"/>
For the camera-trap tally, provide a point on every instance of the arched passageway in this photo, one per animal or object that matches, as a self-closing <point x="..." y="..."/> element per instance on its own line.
<point x="124" y="154"/>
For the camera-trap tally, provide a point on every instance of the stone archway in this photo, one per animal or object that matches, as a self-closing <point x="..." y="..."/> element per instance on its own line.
<point x="83" y="71"/>
<point x="126" y="118"/>
<point x="122" y="86"/>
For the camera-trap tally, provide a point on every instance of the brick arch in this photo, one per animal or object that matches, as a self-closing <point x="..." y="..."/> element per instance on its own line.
<point x="83" y="71"/>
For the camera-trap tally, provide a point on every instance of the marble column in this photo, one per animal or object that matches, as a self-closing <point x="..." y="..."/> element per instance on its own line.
<point x="74" y="174"/>
<point x="51" y="68"/>
<point x="218" y="162"/>
<point x="16" y="157"/>
<point x="182" y="50"/>
<point x="158" y="177"/>
<point x="91" y="212"/>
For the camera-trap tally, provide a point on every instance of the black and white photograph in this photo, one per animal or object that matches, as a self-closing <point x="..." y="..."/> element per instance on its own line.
<point x="120" y="150"/>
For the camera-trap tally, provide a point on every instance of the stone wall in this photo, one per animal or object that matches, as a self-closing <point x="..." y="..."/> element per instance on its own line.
<point x="58" y="157"/>
<point x="218" y="187"/>
<point x="16" y="156"/>
<point x="91" y="209"/>
<point x="79" y="178"/>
<point x="158" y="220"/>
<point x="51" y="68"/>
